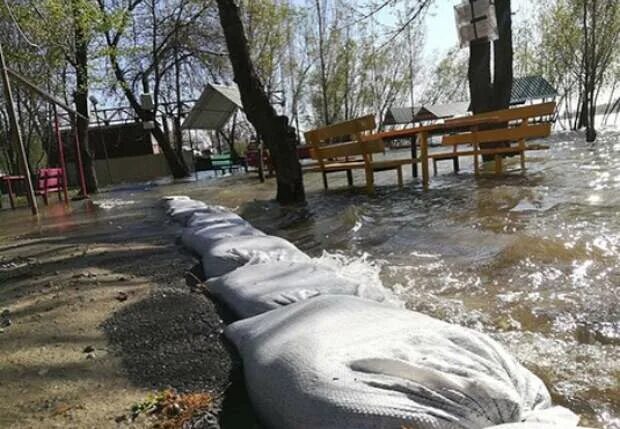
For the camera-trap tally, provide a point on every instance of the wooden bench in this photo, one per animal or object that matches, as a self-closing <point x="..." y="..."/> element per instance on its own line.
<point x="49" y="180"/>
<point x="516" y="125"/>
<point x="355" y="153"/>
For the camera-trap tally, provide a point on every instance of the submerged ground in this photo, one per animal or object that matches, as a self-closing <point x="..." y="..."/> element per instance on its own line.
<point x="533" y="260"/>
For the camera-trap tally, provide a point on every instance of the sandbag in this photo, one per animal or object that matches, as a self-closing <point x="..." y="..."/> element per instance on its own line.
<point x="182" y="211"/>
<point x="199" y="239"/>
<point x="341" y="362"/>
<point x="223" y="256"/>
<point x="255" y="289"/>
<point x="548" y="418"/>
<point x="199" y="220"/>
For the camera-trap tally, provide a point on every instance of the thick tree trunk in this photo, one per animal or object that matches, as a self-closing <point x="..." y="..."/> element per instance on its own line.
<point x="485" y="95"/>
<point x="503" y="55"/>
<point x="273" y="129"/>
<point x="479" y="76"/>
<point x="81" y="102"/>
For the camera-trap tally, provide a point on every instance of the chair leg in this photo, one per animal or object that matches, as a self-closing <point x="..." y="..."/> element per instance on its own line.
<point x="325" y="180"/>
<point x="399" y="173"/>
<point x="350" y="177"/>
<point x="44" y="195"/>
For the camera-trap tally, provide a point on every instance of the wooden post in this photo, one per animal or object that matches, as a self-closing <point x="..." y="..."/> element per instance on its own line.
<point x="17" y="136"/>
<point x="475" y="150"/>
<point x="424" y="158"/>
<point x="414" y="157"/>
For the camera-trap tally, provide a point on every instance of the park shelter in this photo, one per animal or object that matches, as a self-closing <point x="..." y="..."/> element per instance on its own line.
<point x="433" y="112"/>
<point x="400" y="115"/>
<point x="214" y="108"/>
<point x="531" y="88"/>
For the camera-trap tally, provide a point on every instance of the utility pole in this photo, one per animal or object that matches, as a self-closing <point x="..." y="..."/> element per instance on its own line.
<point x="17" y="136"/>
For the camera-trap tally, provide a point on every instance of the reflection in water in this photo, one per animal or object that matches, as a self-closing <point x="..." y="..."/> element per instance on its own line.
<point x="532" y="259"/>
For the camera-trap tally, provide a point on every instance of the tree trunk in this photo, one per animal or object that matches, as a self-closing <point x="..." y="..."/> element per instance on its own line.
<point x="485" y="95"/>
<point x="503" y="54"/>
<point x="81" y="101"/>
<point x="479" y="76"/>
<point x="273" y="129"/>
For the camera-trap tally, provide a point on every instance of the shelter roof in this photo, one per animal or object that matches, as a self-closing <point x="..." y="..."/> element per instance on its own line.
<point x="531" y="88"/>
<point x="216" y="105"/>
<point x="400" y="115"/>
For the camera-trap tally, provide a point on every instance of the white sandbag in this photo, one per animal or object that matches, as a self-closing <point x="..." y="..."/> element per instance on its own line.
<point x="255" y="289"/>
<point x="181" y="213"/>
<point x="341" y="362"/>
<point x="208" y="219"/>
<point x="226" y="255"/>
<point x="200" y="239"/>
<point x="548" y="418"/>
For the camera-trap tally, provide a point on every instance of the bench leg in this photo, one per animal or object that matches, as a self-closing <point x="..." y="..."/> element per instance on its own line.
<point x="350" y="177"/>
<point x="399" y="173"/>
<point x="476" y="161"/>
<point x="44" y="195"/>
<point x="455" y="164"/>
<point x="434" y="167"/>
<point x="11" y="195"/>
<point x="370" y="181"/>
<point x="325" y="180"/>
<point x="522" y="155"/>
<point x="498" y="165"/>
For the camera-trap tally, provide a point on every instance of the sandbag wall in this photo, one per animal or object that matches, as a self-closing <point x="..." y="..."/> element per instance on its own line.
<point x="323" y="351"/>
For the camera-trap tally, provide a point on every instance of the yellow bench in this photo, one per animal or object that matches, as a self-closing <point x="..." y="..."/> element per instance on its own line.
<point x="346" y="146"/>
<point x="518" y="125"/>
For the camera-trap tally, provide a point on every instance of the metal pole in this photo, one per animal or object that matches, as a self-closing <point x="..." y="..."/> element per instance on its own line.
<point x="79" y="162"/>
<point x="17" y="136"/>
<point x="61" y="155"/>
<point x="105" y="143"/>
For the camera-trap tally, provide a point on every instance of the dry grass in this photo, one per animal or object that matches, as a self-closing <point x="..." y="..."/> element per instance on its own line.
<point x="172" y="410"/>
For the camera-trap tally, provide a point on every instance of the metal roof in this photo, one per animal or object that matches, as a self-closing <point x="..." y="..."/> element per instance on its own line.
<point x="400" y="115"/>
<point x="531" y="88"/>
<point x="216" y="105"/>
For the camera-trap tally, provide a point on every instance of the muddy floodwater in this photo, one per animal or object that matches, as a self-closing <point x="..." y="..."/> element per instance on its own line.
<point x="533" y="260"/>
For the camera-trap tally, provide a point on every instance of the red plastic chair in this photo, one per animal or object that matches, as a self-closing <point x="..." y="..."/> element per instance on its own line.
<point x="49" y="180"/>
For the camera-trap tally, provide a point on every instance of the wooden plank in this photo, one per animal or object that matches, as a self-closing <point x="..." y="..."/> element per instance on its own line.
<point x="341" y="150"/>
<point x="523" y="112"/>
<point x="341" y="129"/>
<point x="498" y="135"/>
<point x="455" y="124"/>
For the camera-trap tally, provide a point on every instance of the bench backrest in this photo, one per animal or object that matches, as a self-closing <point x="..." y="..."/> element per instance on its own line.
<point x="49" y="178"/>
<point x="322" y="140"/>
<point x="517" y="113"/>
<point x="518" y="125"/>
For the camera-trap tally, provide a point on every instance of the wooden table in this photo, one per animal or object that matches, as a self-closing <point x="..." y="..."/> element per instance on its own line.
<point x="423" y="132"/>
<point x="9" y="180"/>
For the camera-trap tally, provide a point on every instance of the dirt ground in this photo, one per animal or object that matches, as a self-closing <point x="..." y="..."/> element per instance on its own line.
<point x="97" y="313"/>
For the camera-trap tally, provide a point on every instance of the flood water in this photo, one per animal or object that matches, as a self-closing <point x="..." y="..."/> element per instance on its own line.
<point x="533" y="260"/>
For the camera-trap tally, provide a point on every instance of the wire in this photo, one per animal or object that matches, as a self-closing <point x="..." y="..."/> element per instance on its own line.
<point x="19" y="29"/>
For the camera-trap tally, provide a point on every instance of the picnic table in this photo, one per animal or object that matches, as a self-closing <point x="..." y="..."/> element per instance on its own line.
<point x="419" y="135"/>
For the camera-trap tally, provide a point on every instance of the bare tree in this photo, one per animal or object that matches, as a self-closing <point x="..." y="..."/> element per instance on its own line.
<point x="272" y="128"/>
